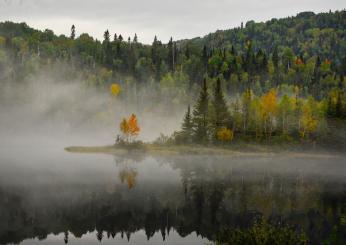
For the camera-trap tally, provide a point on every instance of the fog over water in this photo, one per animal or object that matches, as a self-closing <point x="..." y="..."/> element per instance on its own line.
<point x="48" y="195"/>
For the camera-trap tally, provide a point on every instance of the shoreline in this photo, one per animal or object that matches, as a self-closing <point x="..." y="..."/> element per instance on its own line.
<point x="181" y="150"/>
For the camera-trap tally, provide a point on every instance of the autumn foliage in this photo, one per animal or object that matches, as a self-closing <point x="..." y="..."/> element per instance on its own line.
<point x="115" y="89"/>
<point x="129" y="175"/>
<point x="129" y="127"/>
<point x="277" y="113"/>
<point x="225" y="135"/>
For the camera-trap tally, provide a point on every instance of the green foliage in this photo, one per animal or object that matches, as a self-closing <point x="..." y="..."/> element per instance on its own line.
<point x="258" y="57"/>
<point x="187" y="127"/>
<point x="262" y="233"/>
<point x="200" y="116"/>
<point x="222" y="117"/>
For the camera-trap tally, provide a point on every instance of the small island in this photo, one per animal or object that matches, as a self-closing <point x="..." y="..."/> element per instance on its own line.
<point x="254" y="125"/>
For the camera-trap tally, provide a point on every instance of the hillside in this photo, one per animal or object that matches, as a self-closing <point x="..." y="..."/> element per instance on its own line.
<point x="303" y="55"/>
<point x="306" y="33"/>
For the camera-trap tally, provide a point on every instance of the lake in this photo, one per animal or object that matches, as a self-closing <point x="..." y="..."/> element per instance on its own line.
<point x="49" y="196"/>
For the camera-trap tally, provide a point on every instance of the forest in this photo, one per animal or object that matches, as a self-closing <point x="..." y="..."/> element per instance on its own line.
<point x="284" y="78"/>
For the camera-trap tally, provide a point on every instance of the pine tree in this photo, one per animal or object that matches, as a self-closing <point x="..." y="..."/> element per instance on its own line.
<point x="343" y="66"/>
<point x="330" y="107"/>
<point x="205" y="57"/>
<point x="222" y="117"/>
<point x="200" y="116"/>
<point x="275" y="59"/>
<point x="187" y="127"/>
<point x="108" y="56"/>
<point x="170" y="57"/>
<point x="338" y="106"/>
<point x="73" y="32"/>
<point x="106" y="36"/>
<point x="135" y="38"/>
<point x="315" y="80"/>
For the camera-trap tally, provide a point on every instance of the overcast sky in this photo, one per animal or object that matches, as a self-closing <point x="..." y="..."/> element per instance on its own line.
<point x="179" y="18"/>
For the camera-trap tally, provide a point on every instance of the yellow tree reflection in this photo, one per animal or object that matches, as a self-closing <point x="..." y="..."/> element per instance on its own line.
<point x="128" y="175"/>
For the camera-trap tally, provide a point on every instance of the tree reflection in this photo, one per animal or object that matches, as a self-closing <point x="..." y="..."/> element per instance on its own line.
<point x="128" y="175"/>
<point x="207" y="199"/>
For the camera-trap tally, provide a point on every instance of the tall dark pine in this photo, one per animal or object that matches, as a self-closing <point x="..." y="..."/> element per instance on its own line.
<point x="343" y="67"/>
<point x="200" y="116"/>
<point x="187" y="126"/>
<point x="107" y="49"/>
<point x="170" y="57"/>
<point x="73" y="32"/>
<point x="205" y="57"/>
<point x="315" y="80"/>
<point x="106" y="36"/>
<point x="275" y="59"/>
<point x="338" y="106"/>
<point x="222" y="117"/>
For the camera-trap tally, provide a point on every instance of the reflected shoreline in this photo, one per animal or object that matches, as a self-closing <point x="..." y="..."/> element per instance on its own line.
<point x="195" y="194"/>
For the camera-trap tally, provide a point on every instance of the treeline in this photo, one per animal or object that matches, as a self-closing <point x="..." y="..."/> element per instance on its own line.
<point x="307" y="51"/>
<point x="259" y="118"/>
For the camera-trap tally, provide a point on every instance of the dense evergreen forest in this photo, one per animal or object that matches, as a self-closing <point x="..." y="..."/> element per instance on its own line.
<point x="280" y="77"/>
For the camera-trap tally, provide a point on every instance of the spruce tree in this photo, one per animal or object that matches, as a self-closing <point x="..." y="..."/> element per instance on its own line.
<point x="275" y="59"/>
<point x="187" y="127"/>
<point x="315" y="80"/>
<point x="170" y="56"/>
<point x="338" y="106"/>
<point x="200" y="116"/>
<point x="222" y="117"/>
<point x="106" y="36"/>
<point x="73" y="32"/>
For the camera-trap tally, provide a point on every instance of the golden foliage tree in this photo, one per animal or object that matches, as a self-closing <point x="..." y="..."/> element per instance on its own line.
<point x="269" y="104"/>
<point x="115" y="89"/>
<point x="308" y="123"/>
<point x="129" y="127"/>
<point x="225" y="135"/>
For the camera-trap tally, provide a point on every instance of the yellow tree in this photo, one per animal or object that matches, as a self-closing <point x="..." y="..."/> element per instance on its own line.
<point x="269" y="104"/>
<point x="225" y="135"/>
<point x="256" y="116"/>
<point x="308" y="123"/>
<point x="115" y="89"/>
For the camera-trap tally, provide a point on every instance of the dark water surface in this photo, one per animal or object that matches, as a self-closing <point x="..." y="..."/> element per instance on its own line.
<point x="50" y="196"/>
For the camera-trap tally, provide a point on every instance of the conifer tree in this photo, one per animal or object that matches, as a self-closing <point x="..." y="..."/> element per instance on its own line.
<point x="187" y="127"/>
<point x="200" y="116"/>
<point x="275" y="59"/>
<point x="338" y="106"/>
<point x="315" y="81"/>
<point x="222" y="117"/>
<point x="170" y="57"/>
<point x="106" y="36"/>
<point x="73" y="32"/>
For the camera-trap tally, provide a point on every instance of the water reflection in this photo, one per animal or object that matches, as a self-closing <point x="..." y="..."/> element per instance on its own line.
<point x="194" y="195"/>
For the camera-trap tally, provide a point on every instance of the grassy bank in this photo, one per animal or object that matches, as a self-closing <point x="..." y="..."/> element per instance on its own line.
<point x="230" y="150"/>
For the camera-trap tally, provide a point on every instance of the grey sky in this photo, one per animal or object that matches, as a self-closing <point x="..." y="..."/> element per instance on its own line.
<point x="179" y="18"/>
